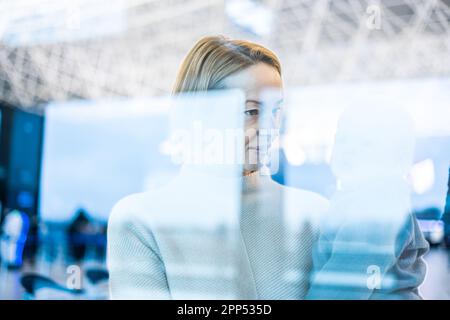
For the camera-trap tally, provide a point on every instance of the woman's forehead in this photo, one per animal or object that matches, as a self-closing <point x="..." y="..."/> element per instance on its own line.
<point x="256" y="80"/>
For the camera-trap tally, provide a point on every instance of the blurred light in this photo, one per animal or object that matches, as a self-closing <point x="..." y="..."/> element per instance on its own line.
<point x="250" y="16"/>
<point x="422" y="176"/>
<point x="166" y="148"/>
<point x="33" y="22"/>
<point x="25" y="199"/>
<point x="294" y="152"/>
<point x="328" y="154"/>
<point x="433" y="230"/>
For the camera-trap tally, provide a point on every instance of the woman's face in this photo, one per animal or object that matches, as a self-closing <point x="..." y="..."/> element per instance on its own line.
<point x="263" y="86"/>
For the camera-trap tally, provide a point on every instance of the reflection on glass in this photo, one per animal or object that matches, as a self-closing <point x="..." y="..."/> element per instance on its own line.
<point x="212" y="232"/>
<point x="332" y="215"/>
<point x="369" y="242"/>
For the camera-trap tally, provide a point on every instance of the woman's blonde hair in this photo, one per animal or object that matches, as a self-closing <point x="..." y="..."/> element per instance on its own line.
<point x="212" y="59"/>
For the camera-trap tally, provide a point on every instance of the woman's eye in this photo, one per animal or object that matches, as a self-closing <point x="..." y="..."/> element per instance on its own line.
<point x="252" y="112"/>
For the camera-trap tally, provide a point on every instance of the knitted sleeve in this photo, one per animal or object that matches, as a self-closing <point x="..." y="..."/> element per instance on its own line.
<point x="134" y="262"/>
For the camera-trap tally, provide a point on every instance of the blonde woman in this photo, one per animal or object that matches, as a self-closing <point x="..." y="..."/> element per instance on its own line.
<point x="271" y="256"/>
<point x="138" y="252"/>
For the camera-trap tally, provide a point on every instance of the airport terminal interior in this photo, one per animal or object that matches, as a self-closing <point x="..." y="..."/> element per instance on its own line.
<point x="87" y="119"/>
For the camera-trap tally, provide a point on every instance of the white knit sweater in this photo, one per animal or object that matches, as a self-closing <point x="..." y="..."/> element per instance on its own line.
<point x="254" y="242"/>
